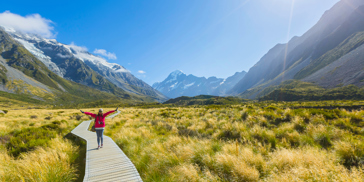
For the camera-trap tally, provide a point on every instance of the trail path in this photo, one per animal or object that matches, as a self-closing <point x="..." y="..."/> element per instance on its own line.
<point x="107" y="164"/>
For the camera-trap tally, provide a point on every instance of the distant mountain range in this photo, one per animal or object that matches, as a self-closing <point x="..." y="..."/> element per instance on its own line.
<point x="76" y="64"/>
<point x="330" y="54"/>
<point x="179" y="84"/>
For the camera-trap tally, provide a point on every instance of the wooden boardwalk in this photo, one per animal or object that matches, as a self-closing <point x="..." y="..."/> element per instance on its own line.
<point x="107" y="164"/>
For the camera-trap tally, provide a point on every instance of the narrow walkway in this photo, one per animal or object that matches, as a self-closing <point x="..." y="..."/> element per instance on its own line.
<point x="107" y="164"/>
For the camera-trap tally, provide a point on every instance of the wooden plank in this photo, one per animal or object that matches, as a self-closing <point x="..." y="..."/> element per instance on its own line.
<point x="108" y="163"/>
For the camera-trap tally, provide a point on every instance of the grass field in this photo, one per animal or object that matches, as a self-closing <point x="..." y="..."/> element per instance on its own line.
<point x="262" y="141"/>
<point x="255" y="142"/>
<point x="33" y="148"/>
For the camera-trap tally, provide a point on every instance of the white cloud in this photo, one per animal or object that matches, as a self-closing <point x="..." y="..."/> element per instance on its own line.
<point x="63" y="56"/>
<point x="78" y="48"/>
<point x="103" y="52"/>
<point x="33" y="23"/>
<point x="141" y="72"/>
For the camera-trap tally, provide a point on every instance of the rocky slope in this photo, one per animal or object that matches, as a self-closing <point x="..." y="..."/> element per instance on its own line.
<point x="330" y="49"/>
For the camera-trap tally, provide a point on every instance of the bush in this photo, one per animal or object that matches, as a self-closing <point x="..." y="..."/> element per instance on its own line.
<point x="182" y="131"/>
<point x="350" y="155"/>
<point x="244" y="116"/>
<point x="357" y="119"/>
<point x="271" y="107"/>
<point x="79" y="117"/>
<point x="229" y="135"/>
<point x="33" y="117"/>
<point x="48" y="118"/>
<point x="5" y="111"/>
<point x="299" y="126"/>
<point x="28" y="139"/>
<point x="51" y="126"/>
<point x="56" y="122"/>
<point x="324" y="140"/>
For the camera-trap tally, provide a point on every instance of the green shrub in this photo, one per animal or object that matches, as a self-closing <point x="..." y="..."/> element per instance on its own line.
<point x="229" y="135"/>
<point x="51" y="126"/>
<point x="244" y="116"/>
<point x="48" y="118"/>
<point x="271" y="107"/>
<point x="183" y="131"/>
<point x="357" y="119"/>
<point x="300" y="127"/>
<point x="28" y="139"/>
<point x="33" y="117"/>
<point x="350" y="154"/>
<point x="78" y="117"/>
<point x="324" y="140"/>
<point x="56" y="122"/>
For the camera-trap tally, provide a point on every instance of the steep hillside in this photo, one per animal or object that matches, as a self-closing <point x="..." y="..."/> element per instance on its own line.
<point x="303" y="91"/>
<point x="77" y="64"/>
<point x="23" y="74"/>
<point x="179" y="84"/>
<point x="337" y="31"/>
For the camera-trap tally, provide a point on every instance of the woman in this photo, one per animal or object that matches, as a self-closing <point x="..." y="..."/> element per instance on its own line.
<point x="100" y="124"/>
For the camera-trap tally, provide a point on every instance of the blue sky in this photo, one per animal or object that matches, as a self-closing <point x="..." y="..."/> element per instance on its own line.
<point x="156" y="37"/>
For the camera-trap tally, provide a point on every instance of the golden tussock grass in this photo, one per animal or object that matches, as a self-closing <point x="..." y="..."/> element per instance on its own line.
<point x="199" y="144"/>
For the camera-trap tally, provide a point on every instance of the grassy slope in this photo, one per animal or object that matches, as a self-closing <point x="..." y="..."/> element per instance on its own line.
<point x="204" y="100"/>
<point x="294" y="90"/>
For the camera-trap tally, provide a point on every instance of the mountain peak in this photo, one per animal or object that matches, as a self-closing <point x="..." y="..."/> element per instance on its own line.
<point x="176" y="73"/>
<point x="179" y="84"/>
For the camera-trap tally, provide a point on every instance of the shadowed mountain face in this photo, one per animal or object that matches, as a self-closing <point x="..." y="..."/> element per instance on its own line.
<point x="77" y="64"/>
<point x="179" y="84"/>
<point x="330" y="49"/>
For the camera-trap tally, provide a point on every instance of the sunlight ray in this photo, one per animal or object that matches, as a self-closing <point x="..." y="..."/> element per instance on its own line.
<point x="288" y="36"/>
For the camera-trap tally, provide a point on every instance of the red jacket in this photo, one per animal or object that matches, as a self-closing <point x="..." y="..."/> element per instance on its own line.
<point x="100" y="120"/>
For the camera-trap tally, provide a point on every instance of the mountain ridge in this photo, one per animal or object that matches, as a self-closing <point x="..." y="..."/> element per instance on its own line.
<point x="77" y="64"/>
<point x="179" y="84"/>
<point x="23" y="74"/>
<point x="276" y="66"/>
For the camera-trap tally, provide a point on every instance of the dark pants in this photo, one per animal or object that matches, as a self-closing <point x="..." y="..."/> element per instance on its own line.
<point x="99" y="136"/>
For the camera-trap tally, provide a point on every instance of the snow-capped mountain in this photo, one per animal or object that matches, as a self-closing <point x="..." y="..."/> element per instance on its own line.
<point x="179" y="84"/>
<point x="77" y="64"/>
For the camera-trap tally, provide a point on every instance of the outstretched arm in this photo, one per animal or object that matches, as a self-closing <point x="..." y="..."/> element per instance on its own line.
<point x="90" y="114"/>
<point x="108" y="113"/>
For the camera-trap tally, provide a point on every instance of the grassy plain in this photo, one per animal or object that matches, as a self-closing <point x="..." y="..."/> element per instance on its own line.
<point x="255" y="141"/>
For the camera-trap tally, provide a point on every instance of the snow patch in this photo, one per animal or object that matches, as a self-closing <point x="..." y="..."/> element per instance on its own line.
<point x="223" y="82"/>
<point x="172" y="86"/>
<point x="188" y="85"/>
<point x="40" y="55"/>
<point x="82" y="54"/>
